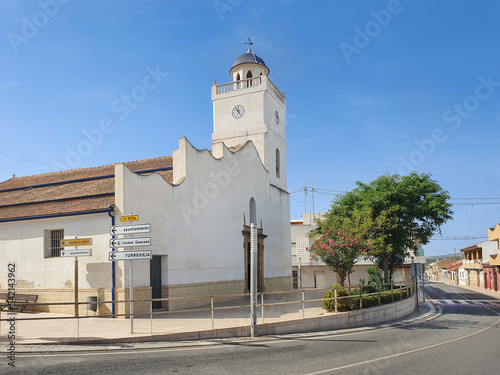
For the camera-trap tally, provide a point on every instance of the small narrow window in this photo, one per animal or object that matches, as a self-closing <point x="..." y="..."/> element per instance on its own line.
<point x="277" y="163"/>
<point x="253" y="213"/>
<point x="249" y="78"/>
<point x="52" y="242"/>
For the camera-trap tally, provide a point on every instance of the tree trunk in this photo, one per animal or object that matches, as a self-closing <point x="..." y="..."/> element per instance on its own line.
<point x="340" y="278"/>
<point x="385" y="268"/>
<point x="349" y="281"/>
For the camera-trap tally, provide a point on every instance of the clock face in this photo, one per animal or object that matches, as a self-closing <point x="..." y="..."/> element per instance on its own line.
<point x="276" y="117"/>
<point x="238" y="111"/>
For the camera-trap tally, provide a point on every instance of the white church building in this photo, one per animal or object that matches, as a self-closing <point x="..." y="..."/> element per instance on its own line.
<point x="199" y="204"/>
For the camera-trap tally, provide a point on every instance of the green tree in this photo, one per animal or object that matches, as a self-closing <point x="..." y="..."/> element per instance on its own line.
<point x="339" y="249"/>
<point x="393" y="213"/>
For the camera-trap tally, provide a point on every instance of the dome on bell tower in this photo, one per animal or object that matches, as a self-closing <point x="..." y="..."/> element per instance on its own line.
<point x="249" y="57"/>
<point x="248" y="65"/>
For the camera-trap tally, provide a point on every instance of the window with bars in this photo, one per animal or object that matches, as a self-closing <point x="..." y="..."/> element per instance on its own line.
<point x="52" y="242"/>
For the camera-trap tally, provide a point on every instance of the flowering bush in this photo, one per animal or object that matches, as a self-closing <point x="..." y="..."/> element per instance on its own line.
<point x="339" y="250"/>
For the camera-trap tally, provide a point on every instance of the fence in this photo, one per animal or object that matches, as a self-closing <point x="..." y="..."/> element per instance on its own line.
<point x="219" y="312"/>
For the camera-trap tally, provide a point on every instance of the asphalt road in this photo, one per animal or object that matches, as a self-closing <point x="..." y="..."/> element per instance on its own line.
<point x="459" y="333"/>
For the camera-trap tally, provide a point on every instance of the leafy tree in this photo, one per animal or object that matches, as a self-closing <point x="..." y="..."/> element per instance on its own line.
<point x="339" y="249"/>
<point x="374" y="275"/>
<point x="392" y="213"/>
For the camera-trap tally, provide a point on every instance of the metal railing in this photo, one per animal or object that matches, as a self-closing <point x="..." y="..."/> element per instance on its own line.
<point x="272" y="307"/>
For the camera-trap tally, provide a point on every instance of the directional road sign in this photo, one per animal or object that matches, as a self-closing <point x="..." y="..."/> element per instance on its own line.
<point x="130" y="229"/>
<point x="77" y="242"/>
<point x="77" y="253"/>
<point x="129" y="218"/>
<point x="125" y="242"/>
<point x="129" y="255"/>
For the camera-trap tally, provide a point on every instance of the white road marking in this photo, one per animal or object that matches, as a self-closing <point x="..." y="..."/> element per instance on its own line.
<point x="409" y="351"/>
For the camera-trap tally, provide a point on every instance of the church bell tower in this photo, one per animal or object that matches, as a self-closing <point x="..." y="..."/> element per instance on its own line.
<point x="251" y="108"/>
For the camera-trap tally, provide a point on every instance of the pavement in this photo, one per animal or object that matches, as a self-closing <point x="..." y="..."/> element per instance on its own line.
<point x="51" y="329"/>
<point x="40" y="331"/>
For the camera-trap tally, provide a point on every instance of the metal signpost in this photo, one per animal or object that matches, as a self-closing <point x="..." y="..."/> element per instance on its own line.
<point x="253" y="279"/>
<point x="114" y="256"/>
<point x="76" y="253"/>
<point x="130" y="255"/>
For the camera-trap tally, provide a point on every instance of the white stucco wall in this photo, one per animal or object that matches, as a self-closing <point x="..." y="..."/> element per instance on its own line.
<point x="199" y="222"/>
<point x="22" y="242"/>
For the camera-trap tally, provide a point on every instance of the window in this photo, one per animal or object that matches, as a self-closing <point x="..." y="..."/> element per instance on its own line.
<point x="277" y="163"/>
<point x="52" y="242"/>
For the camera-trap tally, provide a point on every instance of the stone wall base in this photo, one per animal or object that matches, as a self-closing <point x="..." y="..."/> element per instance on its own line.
<point x="184" y="292"/>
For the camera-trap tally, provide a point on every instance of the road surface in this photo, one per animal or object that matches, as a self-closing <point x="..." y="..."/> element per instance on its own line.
<point x="458" y="333"/>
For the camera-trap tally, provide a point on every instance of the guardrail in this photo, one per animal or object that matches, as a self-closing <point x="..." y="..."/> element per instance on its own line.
<point x="272" y="306"/>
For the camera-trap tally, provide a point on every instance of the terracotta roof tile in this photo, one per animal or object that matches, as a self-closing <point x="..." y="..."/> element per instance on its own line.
<point x="64" y="194"/>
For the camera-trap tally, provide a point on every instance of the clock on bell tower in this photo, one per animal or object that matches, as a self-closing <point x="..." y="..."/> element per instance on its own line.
<point x="251" y="108"/>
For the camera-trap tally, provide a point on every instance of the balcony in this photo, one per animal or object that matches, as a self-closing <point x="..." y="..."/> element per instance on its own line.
<point x="262" y="82"/>
<point x="475" y="264"/>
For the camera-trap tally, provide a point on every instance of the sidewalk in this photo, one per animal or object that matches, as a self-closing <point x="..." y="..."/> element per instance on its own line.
<point x="50" y="328"/>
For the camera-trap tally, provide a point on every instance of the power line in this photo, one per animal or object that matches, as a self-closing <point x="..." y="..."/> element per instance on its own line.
<point x="459" y="238"/>
<point x="31" y="161"/>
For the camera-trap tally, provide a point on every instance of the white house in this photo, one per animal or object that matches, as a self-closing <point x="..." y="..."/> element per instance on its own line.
<point x="313" y="273"/>
<point x="199" y="204"/>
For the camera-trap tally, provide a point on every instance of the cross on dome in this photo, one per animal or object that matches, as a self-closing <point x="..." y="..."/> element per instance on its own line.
<point x="249" y="44"/>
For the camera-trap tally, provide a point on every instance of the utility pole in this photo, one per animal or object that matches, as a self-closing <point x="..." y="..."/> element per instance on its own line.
<point x="305" y="193"/>
<point x="312" y="195"/>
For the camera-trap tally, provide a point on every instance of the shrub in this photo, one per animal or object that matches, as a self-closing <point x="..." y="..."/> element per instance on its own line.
<point x="343" y="304"/>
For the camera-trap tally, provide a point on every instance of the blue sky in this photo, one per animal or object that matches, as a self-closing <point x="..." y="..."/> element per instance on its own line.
<point x="372" y="87"/>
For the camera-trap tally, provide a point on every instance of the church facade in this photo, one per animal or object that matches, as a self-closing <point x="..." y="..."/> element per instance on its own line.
<point x="199" y="204"/>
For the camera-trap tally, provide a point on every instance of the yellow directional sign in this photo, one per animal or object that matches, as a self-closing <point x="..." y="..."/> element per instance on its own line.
<point x="129" y="218"/>
<point x="77" y="242"/>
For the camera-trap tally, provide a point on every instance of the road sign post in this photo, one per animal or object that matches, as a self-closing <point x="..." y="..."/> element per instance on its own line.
<point x="130" y="256"/>
<point x="253" y="279"/>
<point x="76" y="253"/>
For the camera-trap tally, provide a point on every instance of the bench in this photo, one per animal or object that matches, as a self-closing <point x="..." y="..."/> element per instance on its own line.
<point x="19" y="301"/>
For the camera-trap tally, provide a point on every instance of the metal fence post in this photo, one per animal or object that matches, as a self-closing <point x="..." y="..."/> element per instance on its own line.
<point x="212" y="309"/>
<point x="361" y="297"/>
<point x="303" y="305"/>
<point x="392" y="291"/>
<point x="151" y="314"/>
<point x="336" y="309"/>
<point x="262" y="302"/>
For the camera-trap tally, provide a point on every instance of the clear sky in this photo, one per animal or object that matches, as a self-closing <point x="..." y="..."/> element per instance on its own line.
<point x="372" y="87"/>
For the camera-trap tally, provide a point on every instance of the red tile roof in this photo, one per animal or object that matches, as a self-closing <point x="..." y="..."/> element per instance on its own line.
<point x="71" y="191"/>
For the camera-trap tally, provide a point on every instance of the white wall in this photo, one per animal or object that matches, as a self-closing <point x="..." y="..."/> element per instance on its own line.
<point x="22" y="242"/>
<point x="199" y="222"/>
